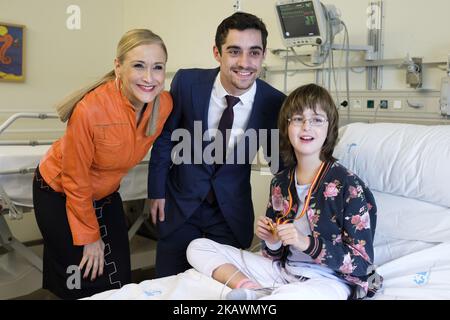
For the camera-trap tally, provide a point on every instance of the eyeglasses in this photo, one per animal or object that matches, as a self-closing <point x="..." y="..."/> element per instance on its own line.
<point x="314" y="121"/>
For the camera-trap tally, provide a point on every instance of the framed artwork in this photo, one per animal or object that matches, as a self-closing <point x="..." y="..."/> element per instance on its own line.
<point x="12" y="41"/>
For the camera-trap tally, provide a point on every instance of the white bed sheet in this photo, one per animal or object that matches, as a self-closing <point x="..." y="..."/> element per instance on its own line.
<point x="424" y="274"/>
<point x="19" y="186"/>
<point x="406" y="166"/>
<point x="412" y="253"/>
<point x="189" y="285"/>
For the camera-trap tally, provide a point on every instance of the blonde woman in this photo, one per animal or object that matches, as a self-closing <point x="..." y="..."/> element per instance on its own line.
<point x="111" y="126"/>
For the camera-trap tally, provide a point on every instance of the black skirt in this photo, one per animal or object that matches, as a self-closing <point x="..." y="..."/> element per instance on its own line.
<point x="61" y="257"/>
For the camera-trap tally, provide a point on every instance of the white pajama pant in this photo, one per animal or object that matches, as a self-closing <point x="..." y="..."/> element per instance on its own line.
<point x="206" y="256"/>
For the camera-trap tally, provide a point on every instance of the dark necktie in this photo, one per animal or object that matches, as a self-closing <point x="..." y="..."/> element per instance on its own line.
<point x="226" y="121"/>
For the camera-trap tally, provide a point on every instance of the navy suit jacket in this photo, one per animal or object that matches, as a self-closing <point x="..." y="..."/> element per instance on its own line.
<point x="185" y="186"/>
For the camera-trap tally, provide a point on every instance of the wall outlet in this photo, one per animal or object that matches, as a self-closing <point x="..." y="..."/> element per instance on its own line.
<point x="356" y="104"/>
<point x="397" y="104"/>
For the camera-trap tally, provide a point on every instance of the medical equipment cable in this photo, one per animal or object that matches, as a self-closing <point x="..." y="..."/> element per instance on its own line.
<point x="226" y="283"/>
<point x="245" y="269"/>
<point x="334" y="77"/>
<point x="246" y="272"/>
<point x="329" y="69"/>
<point x="376" y="113"/>
<point x="300" y="60"/>
<point x="347" y="76"/>
<point x="286" y="71"/>
<point x="330" y="39"/>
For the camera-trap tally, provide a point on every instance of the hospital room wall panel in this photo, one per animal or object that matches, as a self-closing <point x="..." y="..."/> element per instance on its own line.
<point x="408" y="106"/>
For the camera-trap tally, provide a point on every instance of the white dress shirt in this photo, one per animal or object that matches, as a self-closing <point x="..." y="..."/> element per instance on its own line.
<point x="242" y="111"/>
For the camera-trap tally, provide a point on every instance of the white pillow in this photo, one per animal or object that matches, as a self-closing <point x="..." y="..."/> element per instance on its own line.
<point x="403" y="159"/>
<point x="411" y="219"/>
<point x="407" y="225"/>
<point x="388" y="249"/>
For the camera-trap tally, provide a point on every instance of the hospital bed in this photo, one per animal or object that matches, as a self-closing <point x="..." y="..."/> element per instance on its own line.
<point x="408" y="169"/>
<point x="18" y="160"/>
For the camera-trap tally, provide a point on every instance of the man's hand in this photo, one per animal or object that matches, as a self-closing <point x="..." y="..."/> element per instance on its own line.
<point x="157" y="209"/>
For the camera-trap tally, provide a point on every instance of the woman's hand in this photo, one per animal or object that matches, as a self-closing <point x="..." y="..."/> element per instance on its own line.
<point x="290" y="236"/>
<point x="93" y="259"/>
<point x="266" y="230"/>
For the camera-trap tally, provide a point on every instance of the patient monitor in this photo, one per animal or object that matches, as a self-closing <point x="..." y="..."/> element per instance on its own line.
<point x="302" y="22"/>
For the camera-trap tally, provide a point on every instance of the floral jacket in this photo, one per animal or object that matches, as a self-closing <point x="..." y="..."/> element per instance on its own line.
<point x="342" y="217"/>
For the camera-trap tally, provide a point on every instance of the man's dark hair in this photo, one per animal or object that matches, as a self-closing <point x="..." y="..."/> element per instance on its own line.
<point x="240" y="21"/>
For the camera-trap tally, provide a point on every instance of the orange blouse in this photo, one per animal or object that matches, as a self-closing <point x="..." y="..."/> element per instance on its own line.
<point x="100" y="145"/>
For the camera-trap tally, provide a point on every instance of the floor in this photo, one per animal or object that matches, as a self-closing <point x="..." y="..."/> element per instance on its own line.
<point x="42" y="294"/>
<point x="142" y="247"/>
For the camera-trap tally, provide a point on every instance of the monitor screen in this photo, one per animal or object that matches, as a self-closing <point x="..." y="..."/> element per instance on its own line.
<point x="298" y="20"/>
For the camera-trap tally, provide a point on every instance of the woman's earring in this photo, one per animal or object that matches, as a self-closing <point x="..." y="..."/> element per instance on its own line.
<point x="117" y="81"/>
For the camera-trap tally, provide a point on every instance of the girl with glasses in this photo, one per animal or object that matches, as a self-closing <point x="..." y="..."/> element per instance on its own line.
<point x="317" y="235"/>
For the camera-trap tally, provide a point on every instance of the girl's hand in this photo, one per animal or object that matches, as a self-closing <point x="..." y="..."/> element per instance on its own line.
<point x="290" y="236"/>
<point x="266" y="230"/>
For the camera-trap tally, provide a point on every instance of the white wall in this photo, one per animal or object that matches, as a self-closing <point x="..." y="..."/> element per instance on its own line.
<point x="410" y="26"/>
<point x="59" y="60"/>
<point x="188" y="27"/>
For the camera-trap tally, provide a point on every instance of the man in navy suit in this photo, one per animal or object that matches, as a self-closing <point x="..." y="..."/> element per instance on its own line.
<point x="191" y="196"/>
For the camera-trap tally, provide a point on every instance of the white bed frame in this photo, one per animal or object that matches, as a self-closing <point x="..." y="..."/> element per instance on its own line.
<point x="15" y="212"/>
<point x="7" y="240"/>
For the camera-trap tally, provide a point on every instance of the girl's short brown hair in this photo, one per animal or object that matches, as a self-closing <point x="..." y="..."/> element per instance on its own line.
<point x="310" y="96"/>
